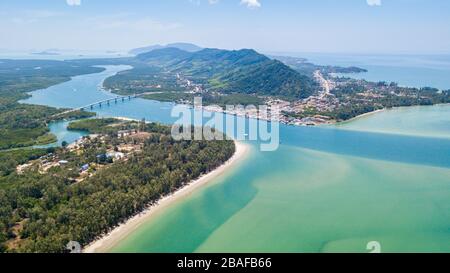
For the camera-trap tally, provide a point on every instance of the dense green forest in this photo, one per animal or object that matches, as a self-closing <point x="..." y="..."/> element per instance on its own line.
<point x="384" y="95"/>
<point x="9" y="160"/>
<point x="238" y="71"/>
<point x="94" y="126"/>
<point x="269" y="78"/>
<point x="43" y="211"/>
<point x="17" y="77"/>
<point x="142" y="79"/>
<point x="23" y="125"/>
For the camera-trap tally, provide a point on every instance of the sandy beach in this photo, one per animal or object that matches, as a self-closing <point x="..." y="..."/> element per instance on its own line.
<point x="125" y="119"/>
<point x="110" y="240"/>
<point x="387" y="109"/>
<point x="362" y="116"/>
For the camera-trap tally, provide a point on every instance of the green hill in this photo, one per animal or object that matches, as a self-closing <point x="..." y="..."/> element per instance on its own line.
<point x="183" y="46"/>
<point x="164" y="57"/>
<point x="236" y="71"/>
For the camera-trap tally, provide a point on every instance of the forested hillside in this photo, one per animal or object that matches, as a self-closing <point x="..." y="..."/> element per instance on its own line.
<point x="236" y="71"/>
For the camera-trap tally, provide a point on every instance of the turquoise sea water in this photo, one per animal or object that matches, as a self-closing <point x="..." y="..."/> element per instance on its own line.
<point x="406" y="70"/>
<point x="416" y="121"/>
<point x="324" y="190"/>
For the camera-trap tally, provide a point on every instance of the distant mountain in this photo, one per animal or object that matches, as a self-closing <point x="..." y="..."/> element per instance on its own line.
<point x="236" y="71"/>
<point x="164" y="57"/>
<point x="183" y="46"/>
<point x="304" y="67"/>
<point x="46" y="53"/>
<point x="146" y="49"/>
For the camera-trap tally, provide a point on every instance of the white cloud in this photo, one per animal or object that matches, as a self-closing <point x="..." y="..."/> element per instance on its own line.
<point x="251" y="3"/>
<point x="374" y="2"/>
<point x="73" y="2"/>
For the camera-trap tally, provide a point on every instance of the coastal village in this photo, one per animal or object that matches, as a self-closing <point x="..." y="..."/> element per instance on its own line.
<point x="280" y="110"/>
<point x="284" y="111"/>
<point x="84" y="158"/>
<point x="89" y="154"/>
<point x="338" y="98"/>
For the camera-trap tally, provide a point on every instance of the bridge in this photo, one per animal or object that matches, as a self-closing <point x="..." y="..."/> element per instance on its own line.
<point x="106" y="102"/>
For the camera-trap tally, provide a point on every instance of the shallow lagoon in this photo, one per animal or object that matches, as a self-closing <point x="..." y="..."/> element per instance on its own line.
<point x="415" y="121"/>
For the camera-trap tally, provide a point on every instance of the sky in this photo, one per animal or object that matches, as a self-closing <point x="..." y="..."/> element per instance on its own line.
<point x="348" y="26"/>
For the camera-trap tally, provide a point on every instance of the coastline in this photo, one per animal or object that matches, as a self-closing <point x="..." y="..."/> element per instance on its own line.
<point x="386" y="109"/>
<point x="108" y="241"/>
<point x="361" y="116"/>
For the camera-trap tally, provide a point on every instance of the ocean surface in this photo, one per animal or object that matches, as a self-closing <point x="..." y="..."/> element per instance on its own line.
<point x="406" y="70"/>
<point x="332" y="189"/>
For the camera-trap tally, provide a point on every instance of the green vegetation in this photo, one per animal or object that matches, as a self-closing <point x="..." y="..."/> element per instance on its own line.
<point x="304" y="67"/>
<point x="308" y="112"/>
<point x="243" y="71"/>
<point x="164" y="57"/>
<point x="46" y="139"/>
<point x="26" y="125"/>
<point x="100" y="125"/>
<point x="73" y="115"/>
<point x="9" y="160"/>
<point x="269" y="78"/>
<point x="92" y="125"/>
<point x="358" y="97"/>
<point x="17" y="77"/>
<point x="178" y="97"/>
<point x="142" y="79"/>
<point x="41" y="211"/>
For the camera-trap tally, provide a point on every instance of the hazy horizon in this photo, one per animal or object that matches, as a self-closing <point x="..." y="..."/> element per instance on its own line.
<point x="321" y="26"/>
<point x="64" y="51"/>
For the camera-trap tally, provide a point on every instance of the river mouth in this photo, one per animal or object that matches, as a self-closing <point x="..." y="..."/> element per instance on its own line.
<point x="323" y="190"/>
